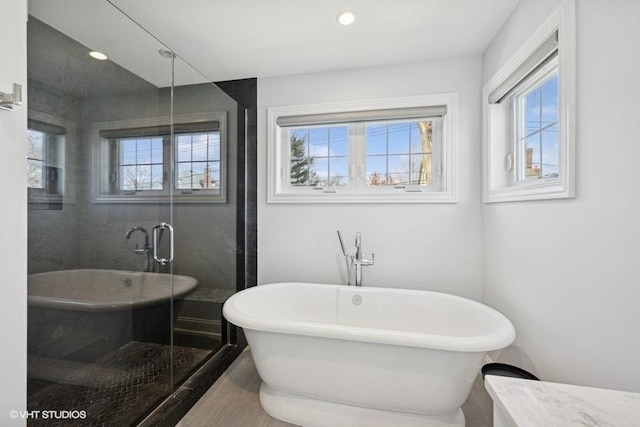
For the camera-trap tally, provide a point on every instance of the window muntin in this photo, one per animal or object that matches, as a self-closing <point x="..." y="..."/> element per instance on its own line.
<point x="537" y="127"/>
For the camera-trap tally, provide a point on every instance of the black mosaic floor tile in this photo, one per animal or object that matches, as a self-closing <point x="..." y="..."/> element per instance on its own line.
<point x="115" y="390"/>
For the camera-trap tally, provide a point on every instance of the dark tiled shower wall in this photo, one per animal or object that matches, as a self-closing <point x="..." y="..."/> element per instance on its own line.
<point x="245" y="93"/>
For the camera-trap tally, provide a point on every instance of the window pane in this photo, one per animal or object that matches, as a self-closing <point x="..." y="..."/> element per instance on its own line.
<point x="421" y="169"/>
<point x="35" y="173"/>
<point x="339" y="171"/>
<point x="376" y="139"/>
<point x="199" y="147"/>
<point x="376" y="170"/>
<point x="184" y="176"/>
<point x="299" y="139"/>
<point x="549" y="101"/>
<point x="399" y="138"/>
<point x="320" y="170"/>
<point x="156" y="150"/>
<point x="319" y="142"/>
<point x="143" y="177"/>
<point x="339" y="141"/>
<point x="205" y="175"/>
<point x="214" y="146"/>
<point x="128" y="179"/>
<point x="398" y="172"/>
<point x="156" y="177"/>
<point x="36" y="148"/>
<point x="143" y="151"/>
<point x="127" y="151"/>
<point x="35" y="144"/>
<point x="299" y="171"/>
<point x="532" y="156"/>
<point x="532" y="111"/>
<point x="183" y="143"/>
<point x="416" y="140"/>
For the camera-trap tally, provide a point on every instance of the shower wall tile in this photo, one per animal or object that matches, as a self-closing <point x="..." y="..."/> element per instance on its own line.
<point x="88" y="235"/>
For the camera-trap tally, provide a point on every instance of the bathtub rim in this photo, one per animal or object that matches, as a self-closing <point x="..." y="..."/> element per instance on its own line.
<point x="495" y="340"/>
<point x="62" y="303"/>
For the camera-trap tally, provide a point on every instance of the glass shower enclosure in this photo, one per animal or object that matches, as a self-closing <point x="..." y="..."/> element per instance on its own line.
<point x="135" y="184"/>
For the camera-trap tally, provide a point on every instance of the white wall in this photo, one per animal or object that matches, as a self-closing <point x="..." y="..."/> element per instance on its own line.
<point x="435" y="247"/>
<point x="13" y="216"/>
<point x="567" y="273"/>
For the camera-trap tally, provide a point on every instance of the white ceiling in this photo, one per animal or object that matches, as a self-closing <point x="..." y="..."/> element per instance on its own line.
<point x="234" y="39"/>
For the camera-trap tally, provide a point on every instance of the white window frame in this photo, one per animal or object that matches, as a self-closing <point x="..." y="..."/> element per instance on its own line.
<point x="279" y="190"/>
<point x="499" y="142"/>
<point x="103" y="168"/>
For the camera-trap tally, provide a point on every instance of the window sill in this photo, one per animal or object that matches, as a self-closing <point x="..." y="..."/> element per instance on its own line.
<point x="195" y="197"/>
<point x="408" y="197"/>
<point x="551" y="189"/>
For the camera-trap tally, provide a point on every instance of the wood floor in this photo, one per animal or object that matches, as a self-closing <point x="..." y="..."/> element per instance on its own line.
<point x="233" y="402"/>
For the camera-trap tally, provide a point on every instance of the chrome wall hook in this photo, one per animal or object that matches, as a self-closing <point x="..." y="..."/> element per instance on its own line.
<point x="9" y="100"/>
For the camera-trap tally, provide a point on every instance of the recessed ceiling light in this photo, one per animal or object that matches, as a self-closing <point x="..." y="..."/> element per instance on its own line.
<point x="98" y="55"/>
<point x="346" y="17"/>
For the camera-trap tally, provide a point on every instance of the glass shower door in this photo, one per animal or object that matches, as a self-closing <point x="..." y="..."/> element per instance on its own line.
<point x="133" y="218"/>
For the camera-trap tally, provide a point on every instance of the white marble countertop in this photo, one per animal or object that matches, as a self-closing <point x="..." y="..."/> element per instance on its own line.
<point x="536" y="403"/>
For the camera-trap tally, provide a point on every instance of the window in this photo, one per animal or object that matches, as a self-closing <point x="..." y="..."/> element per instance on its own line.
<point x="529" y="125"/>
<point x="45" y="161"/>
<point x="385" y="151"/>
<point x="138" y="164"/>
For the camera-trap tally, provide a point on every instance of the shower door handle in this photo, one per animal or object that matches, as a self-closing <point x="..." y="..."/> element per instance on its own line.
<point x="156" y="241"/>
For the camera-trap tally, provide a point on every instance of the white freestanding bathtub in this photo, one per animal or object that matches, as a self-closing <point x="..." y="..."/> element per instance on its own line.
<point x="331" y="355"/>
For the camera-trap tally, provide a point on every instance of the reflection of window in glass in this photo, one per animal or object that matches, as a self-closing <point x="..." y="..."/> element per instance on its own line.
<point x="319" y="156"/>
<point x="141" y="164"/>
<point x="537" y="139"/>
<point x="198" y="160"/>
<point x="36" y="158"/>
<point x="399" y="153"/>
<point x="45" y="161"/>
<point x="144" y="164"/>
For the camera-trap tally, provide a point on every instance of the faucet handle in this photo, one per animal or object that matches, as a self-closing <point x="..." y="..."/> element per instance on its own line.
<point x="369" y="261"/>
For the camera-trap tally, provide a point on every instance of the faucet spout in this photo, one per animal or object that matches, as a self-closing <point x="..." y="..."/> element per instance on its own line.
<point x="144" y="250"/>
<point x="358" y="246"/>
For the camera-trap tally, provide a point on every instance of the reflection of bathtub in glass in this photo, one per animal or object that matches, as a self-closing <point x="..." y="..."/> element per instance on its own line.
<point x="105" y="290"/>
<point x="84" y="314"/>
